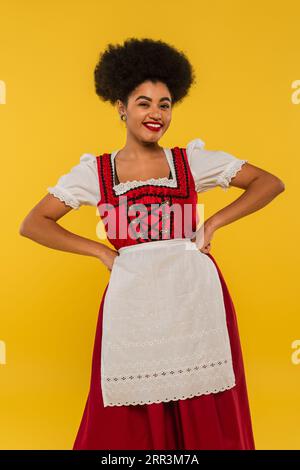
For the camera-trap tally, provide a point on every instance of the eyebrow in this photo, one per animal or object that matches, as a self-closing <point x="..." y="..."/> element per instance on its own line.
<point x="149" y="99"/>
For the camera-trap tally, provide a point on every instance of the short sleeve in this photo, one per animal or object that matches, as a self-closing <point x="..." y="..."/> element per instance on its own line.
<point x="80" y="186"/>
<point x="211" y="168"/>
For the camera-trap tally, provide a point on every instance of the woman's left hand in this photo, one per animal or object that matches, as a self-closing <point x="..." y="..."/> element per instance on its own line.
<point x="207" y="237"/>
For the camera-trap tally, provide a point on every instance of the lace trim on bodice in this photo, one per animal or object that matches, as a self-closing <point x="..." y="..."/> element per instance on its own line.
<point x="125" y="186"/>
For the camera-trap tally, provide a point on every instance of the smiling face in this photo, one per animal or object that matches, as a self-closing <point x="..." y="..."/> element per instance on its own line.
<point x="149" y="102"/>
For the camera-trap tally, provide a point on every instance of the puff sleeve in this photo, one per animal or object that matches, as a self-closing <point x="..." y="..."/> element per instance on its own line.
<point x="211" y="168"/>
<point x="80" y="186"/>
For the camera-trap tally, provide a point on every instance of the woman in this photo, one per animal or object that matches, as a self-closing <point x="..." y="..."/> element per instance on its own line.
<point x="167" y="369"/>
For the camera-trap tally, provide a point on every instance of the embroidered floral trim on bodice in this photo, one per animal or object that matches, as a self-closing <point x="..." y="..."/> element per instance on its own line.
<point x="147" y="197"/>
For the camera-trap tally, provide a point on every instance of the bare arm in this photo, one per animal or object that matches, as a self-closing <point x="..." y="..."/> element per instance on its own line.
<point x="41" y="226"/>
<point x="261" y="187"/>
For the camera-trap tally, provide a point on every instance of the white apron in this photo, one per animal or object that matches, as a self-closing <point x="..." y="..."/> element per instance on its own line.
<point x="164" y="331"/>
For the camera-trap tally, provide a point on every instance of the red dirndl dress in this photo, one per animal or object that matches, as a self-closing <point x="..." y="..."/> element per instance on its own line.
<point x="214" y="421"/>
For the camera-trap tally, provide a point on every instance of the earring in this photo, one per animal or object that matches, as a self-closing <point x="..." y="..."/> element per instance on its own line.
<point x="123" y="117"/>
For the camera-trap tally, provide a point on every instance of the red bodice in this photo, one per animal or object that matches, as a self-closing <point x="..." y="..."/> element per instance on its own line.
<point x="148" y="212"/>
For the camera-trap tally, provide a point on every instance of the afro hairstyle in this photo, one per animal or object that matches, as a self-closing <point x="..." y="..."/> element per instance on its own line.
<point x="121" y="68"/>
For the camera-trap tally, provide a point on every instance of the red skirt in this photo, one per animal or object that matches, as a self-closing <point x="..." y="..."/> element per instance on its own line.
<point x="217" y="421"/>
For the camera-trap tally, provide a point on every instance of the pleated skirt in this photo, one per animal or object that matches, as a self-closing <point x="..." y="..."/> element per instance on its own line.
<point x="217" y="421"/>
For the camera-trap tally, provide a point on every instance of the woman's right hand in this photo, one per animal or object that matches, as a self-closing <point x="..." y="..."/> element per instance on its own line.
<point x="108" y="257"/>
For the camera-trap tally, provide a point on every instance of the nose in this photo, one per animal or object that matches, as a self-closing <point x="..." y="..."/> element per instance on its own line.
<point x="156" y="116"/>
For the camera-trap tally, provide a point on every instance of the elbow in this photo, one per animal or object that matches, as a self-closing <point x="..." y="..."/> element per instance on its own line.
<point x="275" y="183"/>
<point x="24" y="229"/>
<point x="280" y="185"/>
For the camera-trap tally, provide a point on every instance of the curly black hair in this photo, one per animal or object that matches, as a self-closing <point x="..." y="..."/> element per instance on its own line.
<point x="121" y="68"/>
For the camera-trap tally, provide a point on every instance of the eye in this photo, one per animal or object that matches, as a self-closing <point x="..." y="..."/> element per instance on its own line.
<point x="146" y="104"/>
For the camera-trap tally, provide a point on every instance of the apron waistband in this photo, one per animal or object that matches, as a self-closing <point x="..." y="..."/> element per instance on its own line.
<point x="160" y="243"/>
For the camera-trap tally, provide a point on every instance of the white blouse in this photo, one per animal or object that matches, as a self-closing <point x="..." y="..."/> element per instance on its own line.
<point x="210" y="168"/>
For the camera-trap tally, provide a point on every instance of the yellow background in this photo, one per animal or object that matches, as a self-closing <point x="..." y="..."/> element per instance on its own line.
<point x="246" y="57"/>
